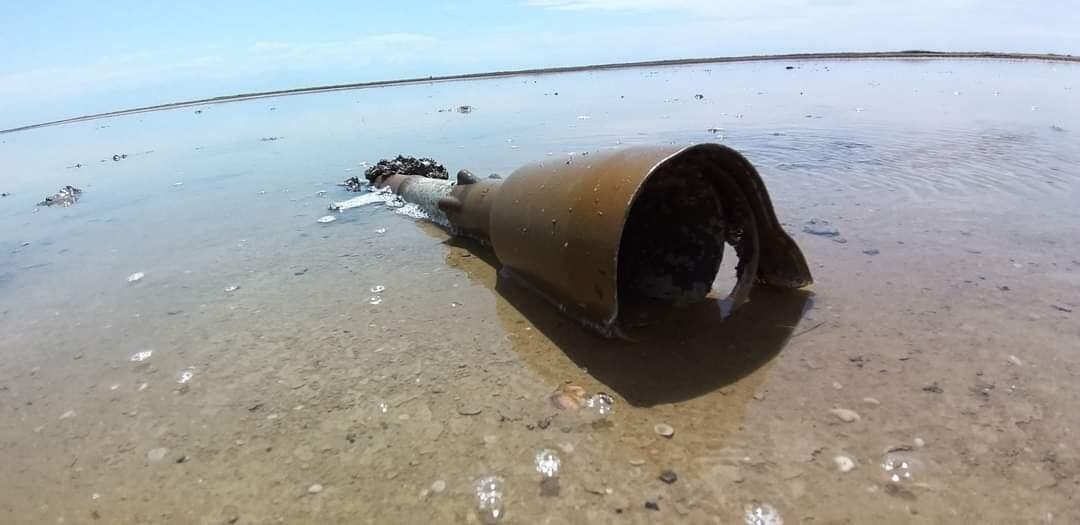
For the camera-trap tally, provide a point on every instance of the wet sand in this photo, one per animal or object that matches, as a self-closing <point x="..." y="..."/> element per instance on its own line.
<point x="937" y="351"/>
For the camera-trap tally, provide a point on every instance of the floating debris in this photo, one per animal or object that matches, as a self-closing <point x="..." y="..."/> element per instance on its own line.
<point x="231" y="289"/>
<point x="68" y="415"/>
<point x="664" y="430"/>
<point x="270" y="139"/>
<point x="465" y="109"/>
<point x="547" y="463"/>
<point x="378" y="195"/>
<point x="326" y="219"/>
<point x="374" y="300"/>
<point x="118" y="158"/>
<point x="898" y="465"/>
<point x="380" y="231"/>
<point x="871" y="251"/>
<point x="315" y="488"/>
<point x="583" y="117"/>
<point x="1062" y="308"/>
<point x="1015" y="360"/>
<point x="669" y="476"/>
<point x="845" y="415"/>
<point x="567" y="397"/>
<point x="844" y="463"/>
<point x="402" y="165"/>
<point x="378" y="288"/>
<point x="699" y="96"/>
<point x="489" y="499"/>
<point x="136" y="277"/>
<point x="820" y="227"/>
<point x="139" y="357"/>
<point x="762" y="514"/>
<point x="67" y="196"/>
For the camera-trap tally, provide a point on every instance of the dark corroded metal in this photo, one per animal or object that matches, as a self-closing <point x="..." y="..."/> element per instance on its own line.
<point x="610" y="234"/>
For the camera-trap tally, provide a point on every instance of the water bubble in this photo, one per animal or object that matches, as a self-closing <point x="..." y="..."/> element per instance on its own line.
<point x="548" y="463"/>
<point x="899" y="465"/>
<point x="378" y="288"/>
<point x="762" y="514"/>
<point x="374" y="299"/>
<point x="185" y="375"/>
<point x="489" y="499"/>
<point x="141" y="356"/>
<point x="383" y="407"/>
<point x="602" y="404"/>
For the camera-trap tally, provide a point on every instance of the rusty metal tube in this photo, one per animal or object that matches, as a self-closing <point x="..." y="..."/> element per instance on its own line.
<point x="609" y="234"/>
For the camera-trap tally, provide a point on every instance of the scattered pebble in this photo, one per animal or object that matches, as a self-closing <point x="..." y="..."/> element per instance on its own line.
<point x="844" y="463"/>
<point x="438" y="486"/>
<point x="664" y="430"/>
<point x="871" y="401"/>
<point x="326" y="219"/>
<point x="136" y="277"/>
<point x="845" y="415"/>
<point x="1015" y="360"/>
<point x="669" y="477"/>
<point x="315" y="489"/>
<point x="157" y="454"/>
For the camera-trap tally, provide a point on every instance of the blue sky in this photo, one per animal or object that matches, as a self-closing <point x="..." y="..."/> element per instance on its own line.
<point x="66" y="58"/>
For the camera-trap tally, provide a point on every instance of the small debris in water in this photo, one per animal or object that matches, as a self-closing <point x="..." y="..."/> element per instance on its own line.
<point x="669" y="477"/>
<point x="326" y="219"/>
<point x="157" y="454"/>
<point x="1062" y="308"/>
<point x="489" y="493"/>
<point x="898" y="466"/>
<point x="380" y="231"/>
<point x="664" y="430"/>
<point x="67" y="415"/>
<point x="315" y="488"/>
<point x="567" y="397"/>
<point x="1015" y="360"/>
<point x="374" y="300"/>
<point x="789" y="67"/>
<point x="652" y="504"/>
<point x="269" y="139"/>
<point x="378" y="288"/>
<point x="232" y="289"/>
<point x="1057" y="128"/>
<point x="871" y="401"/>
<point x="465" y="109"/>
<point x="844" y="463"/>
<point x="583" y="117"/>
<point x="547" y="463"/>
<point x="136" y="277"/>
<point x="699" y="96"/>
<point x="66" y="197"/>
<point x="933" y="388"/>
<point x="763" y="513"/>
<point x="919" y="442"/>
<point x="845" y="415"/>
<point x="872" y="251"/>
<point x="406" y="166"/>
<point x="353" y="184"/>
<point x="821" y="227"/>
<point x="141" y="356"/>
<point x="119" y="157"/>
<point x="438" y="486"/>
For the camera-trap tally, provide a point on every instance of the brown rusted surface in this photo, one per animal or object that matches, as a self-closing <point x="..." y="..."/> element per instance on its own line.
<point x="606" y="236"/>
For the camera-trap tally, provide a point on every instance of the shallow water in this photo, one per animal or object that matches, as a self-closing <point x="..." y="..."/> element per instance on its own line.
<point x="943" y="320"/>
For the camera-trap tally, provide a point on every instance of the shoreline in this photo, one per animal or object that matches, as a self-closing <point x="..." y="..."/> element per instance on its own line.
<point x="915" y="54"/>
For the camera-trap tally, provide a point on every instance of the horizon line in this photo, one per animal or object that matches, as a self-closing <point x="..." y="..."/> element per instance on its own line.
<point x="921" y="54"/>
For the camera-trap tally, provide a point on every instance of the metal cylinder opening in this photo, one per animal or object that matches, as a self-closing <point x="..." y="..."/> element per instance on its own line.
<point x="672" y="244"/>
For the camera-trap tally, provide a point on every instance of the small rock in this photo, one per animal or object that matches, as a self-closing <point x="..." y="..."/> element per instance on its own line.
<point x="933" y="388"/>
<point x="1015" y="360"/>
<point x="789" y="67"/>
<point x="871" y="401"/>
<point x="652" y="504"/>
<point x="845" y="415"/>
<point x="438" y="486"/>
<point x="465" y="109"/>
<point x="315" y="489"/>
<point x="664" y="430"/>
<point x="844" y="463"/>
<point x="183" y="459"/>
<point x="467" y="410"/>
<point x="669" y="477"/>
<point x="919" y="442"/>
<point x="157" y="454"/>
<point x="1062" y="308"/>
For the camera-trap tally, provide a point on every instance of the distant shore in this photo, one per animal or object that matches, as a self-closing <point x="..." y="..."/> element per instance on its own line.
<point x="913" y="54"/>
